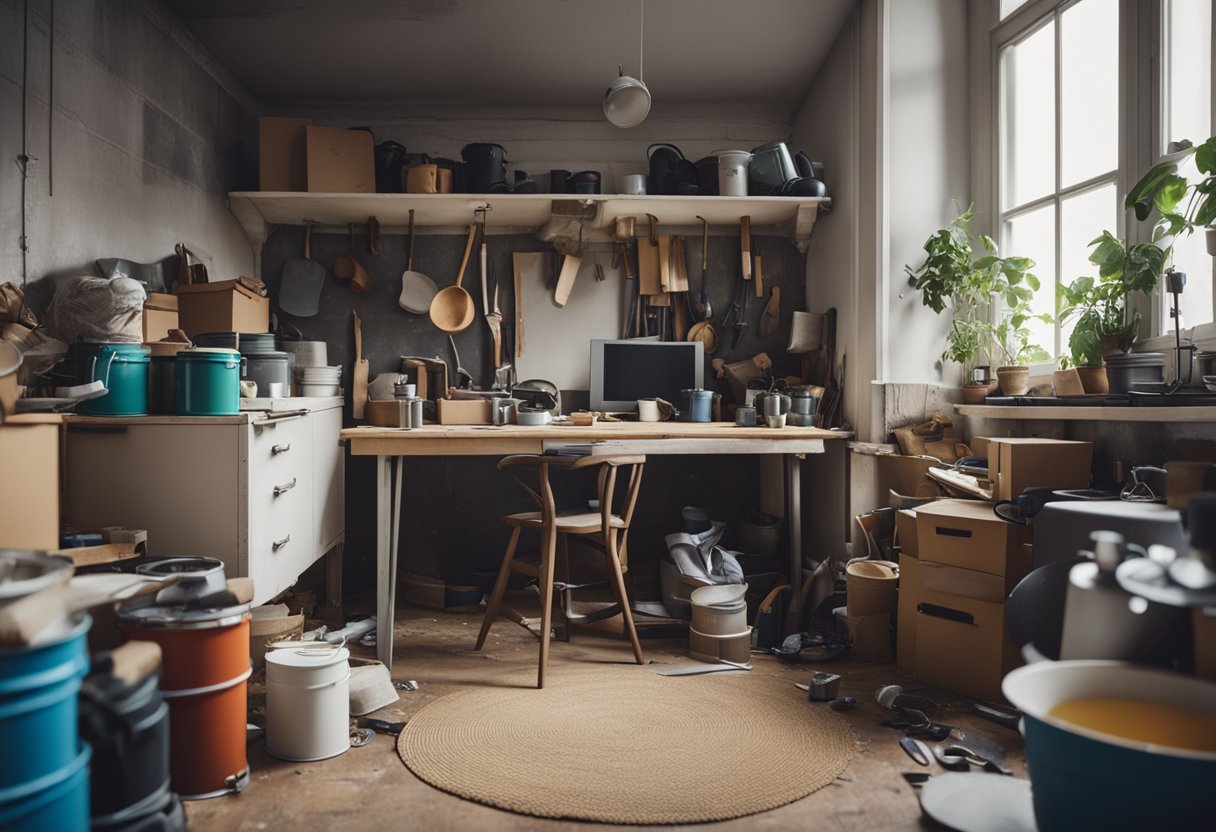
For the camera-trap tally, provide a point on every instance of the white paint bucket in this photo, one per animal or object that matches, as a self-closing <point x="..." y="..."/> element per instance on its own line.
<point x="732" y="172"/>
<point x="307" y="702"/>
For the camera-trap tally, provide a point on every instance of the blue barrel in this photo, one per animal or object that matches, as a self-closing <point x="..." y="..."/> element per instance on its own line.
<point x="123" y="369"/>
<point x="38" y="707"/>
<point x="58" y="801"/>
<point x="206" y="382"/>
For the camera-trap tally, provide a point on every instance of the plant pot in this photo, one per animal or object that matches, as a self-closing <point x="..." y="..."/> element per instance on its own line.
<point x="1067" y="383"/>
<point x="1093" y="379"/>
<point x="1211" y="235"/>
<point x="1014" y="381"/>
<point x="1110" y="346"/>
<point x="975" y="392"/>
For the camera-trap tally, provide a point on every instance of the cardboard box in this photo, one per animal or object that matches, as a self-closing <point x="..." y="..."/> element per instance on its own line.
<point x="967" y="583"/>
<point x="905" y="621"/>
<point x="1018" y="463"/>
<point x="160" y="315"/>
<point x="29" y="487"/>
<point x="965" y="533"/>
<point x="902" y="474"/>
<point x="1183" y="479"/>
<point x="463" y="411"/>
<point x="961" y="644"/>
<point x="282" y="154"/>
<point x="340" y="161"/>
<point x="905" y="533"/>
<point x="225" y="306"/>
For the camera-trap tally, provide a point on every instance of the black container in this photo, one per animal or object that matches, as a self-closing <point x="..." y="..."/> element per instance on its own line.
<point x="585" y="182"/>
<point x="267" y="368"/>
<point x="390" y="161"/>
<point x="707" y="175"/>
<point x="1130" y="372"/>
<point x="160" y="385"/>
<point x="128" y="727"/>
<point x="670" y="172"/>
<point x="559" y="181"/>
<point x="485" y="168"/>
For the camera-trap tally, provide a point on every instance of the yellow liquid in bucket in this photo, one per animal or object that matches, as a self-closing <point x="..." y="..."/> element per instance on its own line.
<point x="1138" y="721"/>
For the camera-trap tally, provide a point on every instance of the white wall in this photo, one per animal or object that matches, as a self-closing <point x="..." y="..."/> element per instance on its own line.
<point x="929" y="165"/>
<point x="146" y="141"/>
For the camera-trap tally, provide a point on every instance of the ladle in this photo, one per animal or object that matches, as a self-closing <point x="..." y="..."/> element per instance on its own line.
<point x="452" y="309"/>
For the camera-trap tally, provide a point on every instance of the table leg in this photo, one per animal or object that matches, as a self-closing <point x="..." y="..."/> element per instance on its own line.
<point x="398" y="467"/>
<point x="331" y="613"/>
<point x="793" y="515"/>
<point x="384" y="609"/>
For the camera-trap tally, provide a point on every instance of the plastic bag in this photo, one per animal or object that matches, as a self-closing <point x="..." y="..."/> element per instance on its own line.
<point x="97" y="309"/>
<point x="700" y="556"/>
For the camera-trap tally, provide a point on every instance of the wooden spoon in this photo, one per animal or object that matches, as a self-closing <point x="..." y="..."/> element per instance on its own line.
<point x="452" y="309"/>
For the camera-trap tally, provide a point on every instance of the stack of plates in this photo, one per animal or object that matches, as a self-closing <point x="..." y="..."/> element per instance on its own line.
<point x="307" y="353"/>
<point x="319" y="381"/>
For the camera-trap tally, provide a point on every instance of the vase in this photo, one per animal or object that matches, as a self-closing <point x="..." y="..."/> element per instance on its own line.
<point x="1093" y="379"/>
<point x="1014" y="381"/>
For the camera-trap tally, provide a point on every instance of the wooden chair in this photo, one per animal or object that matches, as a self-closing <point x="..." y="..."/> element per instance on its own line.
<point x="607" y="530"/>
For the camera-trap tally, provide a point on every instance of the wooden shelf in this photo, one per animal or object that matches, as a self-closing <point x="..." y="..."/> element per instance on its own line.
<point x="1091" y="414"/>
<point x="550" y="216"/>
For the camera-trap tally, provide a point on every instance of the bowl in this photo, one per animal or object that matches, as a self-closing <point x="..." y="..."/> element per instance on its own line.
<point x="1085" y="779"/>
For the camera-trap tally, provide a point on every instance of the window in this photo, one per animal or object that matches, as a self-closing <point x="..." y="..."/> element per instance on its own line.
<point x="1058" y="138"/>
<point x="1186" y="113"/>
<point x="1069" y="141"/>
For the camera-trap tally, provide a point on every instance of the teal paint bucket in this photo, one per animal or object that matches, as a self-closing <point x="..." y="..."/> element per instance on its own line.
<point x="123" y="369"/>
<point x="206" y="382"/>
<point x="58" y="801"/>
<point x="38" y="706"/>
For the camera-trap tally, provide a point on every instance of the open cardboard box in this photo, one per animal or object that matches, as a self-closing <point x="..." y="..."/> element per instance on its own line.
<point x="1018" y="463"/>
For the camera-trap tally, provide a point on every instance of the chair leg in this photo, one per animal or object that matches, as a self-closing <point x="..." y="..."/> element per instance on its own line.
<point x="547" y="557"/>
<point x="618" y="579"/>
<point x="563" y="555"/>
<point x="500" y="587"/>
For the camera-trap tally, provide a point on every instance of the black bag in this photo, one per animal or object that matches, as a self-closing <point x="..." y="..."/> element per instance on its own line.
<point x="670" y="172"/>
<point x="390" y="161"/>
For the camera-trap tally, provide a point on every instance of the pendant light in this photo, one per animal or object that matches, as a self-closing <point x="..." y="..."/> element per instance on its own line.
<point x="627" y="101"/>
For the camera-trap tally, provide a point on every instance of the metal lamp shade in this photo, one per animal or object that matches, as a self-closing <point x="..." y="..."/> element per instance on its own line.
<point x="627" y="102"/>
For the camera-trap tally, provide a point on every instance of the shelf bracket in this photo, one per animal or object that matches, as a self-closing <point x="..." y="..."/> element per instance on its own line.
<point x="804" y="224"/>
<point x="253" y="224"/>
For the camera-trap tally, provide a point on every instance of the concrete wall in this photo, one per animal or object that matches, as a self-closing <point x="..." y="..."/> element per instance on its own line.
<point x="146" y="141"/>
<point x="928" y="166"/>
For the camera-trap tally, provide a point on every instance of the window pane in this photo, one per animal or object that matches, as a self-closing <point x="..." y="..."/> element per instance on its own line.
<point x="1089" y="91"/>
<point x="1082" y="218"/>
<point x="1187" y="70"/>
<point x="1191" y="256"/>
<point x="1008" y="7"/>
<point x="1029" y="119"/>
<point x="1033" y="235"/>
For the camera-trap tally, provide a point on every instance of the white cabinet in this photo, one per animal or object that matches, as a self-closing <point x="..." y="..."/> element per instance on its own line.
<point x="262" y="492"/>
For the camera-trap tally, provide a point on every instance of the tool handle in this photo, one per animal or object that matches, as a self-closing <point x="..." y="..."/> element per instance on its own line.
<point x="704" y="244"/>
<point x="358" y="337"/>
<point x="759" y="281"/>
<point x="745" y="238"/>
<point x="409" y="266"/>
<point x="468" y="249"/>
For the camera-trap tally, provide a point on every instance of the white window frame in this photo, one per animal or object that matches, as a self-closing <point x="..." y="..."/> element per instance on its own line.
<point x="1140" y="129"/>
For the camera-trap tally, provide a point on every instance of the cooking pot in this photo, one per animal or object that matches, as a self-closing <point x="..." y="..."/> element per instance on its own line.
<point x="485" y="167"/>
<point x="584" y="182"/>
<point x="771" y="167"/>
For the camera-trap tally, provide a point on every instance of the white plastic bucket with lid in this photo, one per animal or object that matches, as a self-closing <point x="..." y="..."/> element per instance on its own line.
<point x="307" y="702"/>
<point x="732" y="172"/>
<point x="719" y="610"/>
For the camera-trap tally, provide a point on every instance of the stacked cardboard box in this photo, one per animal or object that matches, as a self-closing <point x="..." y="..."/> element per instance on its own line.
<point x="958" y="563"/>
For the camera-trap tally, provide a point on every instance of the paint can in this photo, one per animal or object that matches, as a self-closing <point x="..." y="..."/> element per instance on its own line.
<point x="308" y="702"/>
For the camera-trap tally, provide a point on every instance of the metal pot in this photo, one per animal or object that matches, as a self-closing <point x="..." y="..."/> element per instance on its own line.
<point x="197" y="577"/>
<point x="771" y="166"/>
<point x="266" y="369"/>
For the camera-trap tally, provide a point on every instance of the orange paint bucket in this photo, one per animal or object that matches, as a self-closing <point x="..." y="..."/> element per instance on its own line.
<point x="205" y="668"/>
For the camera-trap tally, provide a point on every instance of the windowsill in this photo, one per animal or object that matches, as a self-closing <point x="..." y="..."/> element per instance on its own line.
<point x="1148" y="415"/>
<point x="1201" y="335"/>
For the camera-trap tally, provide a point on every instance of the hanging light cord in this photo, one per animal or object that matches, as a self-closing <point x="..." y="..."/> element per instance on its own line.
<point x="641" y="40"/>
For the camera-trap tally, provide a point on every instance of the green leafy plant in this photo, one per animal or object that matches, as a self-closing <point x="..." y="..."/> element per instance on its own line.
<point x="973" y="287"/>
<point x="1164" y="189"/>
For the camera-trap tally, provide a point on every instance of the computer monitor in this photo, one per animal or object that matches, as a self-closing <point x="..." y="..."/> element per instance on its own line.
<point x="641" y="368"/>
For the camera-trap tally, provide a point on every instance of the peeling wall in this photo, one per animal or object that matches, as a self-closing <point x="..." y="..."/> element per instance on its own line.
<point x="141" y="147"/>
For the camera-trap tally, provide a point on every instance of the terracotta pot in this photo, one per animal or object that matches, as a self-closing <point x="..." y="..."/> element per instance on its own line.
<point x="1014" y="381"/>
<point x="1067" y="383"/>
<point x="1093" y="379"/>
<point x="975" y="393"/>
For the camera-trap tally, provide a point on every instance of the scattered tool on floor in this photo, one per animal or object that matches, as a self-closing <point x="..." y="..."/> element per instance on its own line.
<point x="918" y="750"/>
<point x="380" y="726"/>
<point x="360" y="737"/>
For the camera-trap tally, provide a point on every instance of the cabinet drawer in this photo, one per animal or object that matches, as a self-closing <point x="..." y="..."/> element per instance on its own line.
<point x="280" y="531"/>
<point x="280" y="446"/>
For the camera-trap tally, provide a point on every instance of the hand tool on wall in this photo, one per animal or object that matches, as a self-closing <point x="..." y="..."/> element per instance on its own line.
<point x="362" y="368"/>
<point x="485" y="294"/>
<point x="348" y="268"/>
<point x="417" y="290"/>
<point x="703" y="308"/>
<point x="452" y="310"/>
<point x="571" y="263"/>
<point x="464" y="379"/>
<point x="771" y="317"/>
<point x="303" y="277"/>
<point x="648" y="262"/>
<point x="517" y="267"/>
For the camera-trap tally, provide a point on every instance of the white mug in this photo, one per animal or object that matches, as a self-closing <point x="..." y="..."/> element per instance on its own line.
<point x="633" y="184"/>
<point x="648" y="410"/>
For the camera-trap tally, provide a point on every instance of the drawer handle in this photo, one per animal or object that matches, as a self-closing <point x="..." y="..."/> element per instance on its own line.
<point x="280" y="449"/>
<point x="279" y="544"/>
<point x="279" y="489"/>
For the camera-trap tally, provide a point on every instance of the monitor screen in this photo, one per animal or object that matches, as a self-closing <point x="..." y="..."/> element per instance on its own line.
<point x="624" y="371"/>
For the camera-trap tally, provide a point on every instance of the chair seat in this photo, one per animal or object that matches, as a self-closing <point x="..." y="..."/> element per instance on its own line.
<point x="568" y="522"/>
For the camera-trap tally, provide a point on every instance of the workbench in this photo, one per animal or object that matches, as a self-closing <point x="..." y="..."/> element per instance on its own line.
<point x="390" y="446"/>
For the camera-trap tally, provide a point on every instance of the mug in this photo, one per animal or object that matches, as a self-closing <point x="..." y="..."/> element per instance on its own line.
<point x="648" y="410"/>
<point x="633" y="184"/>
<point x="775" y="421"/>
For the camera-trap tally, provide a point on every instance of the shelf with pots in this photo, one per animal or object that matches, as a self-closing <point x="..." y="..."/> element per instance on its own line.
<point x="550" y="216"/>
<point x="1082" y="413"/>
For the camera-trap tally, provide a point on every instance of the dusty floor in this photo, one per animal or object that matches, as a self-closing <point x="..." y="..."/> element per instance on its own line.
<point x="369" y="787"/>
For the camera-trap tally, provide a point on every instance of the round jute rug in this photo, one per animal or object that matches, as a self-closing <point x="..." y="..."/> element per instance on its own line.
<point x="623" y="745"/>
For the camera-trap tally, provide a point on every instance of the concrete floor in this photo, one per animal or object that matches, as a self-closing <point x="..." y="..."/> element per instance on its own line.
<point x="369" y="787"/>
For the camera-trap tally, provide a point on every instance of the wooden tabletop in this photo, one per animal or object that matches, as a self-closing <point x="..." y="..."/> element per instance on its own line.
<point x="16" y="419"/>
<point x="605" y="437"/>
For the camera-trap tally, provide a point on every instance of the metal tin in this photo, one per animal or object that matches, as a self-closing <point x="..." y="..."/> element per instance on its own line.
<point x="745" y="416"/>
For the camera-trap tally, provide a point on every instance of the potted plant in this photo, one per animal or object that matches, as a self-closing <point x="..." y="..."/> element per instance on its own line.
<point x="1012" y="340"/>
<point x="953" y="276"/>
<point x="1066" y="381"/>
